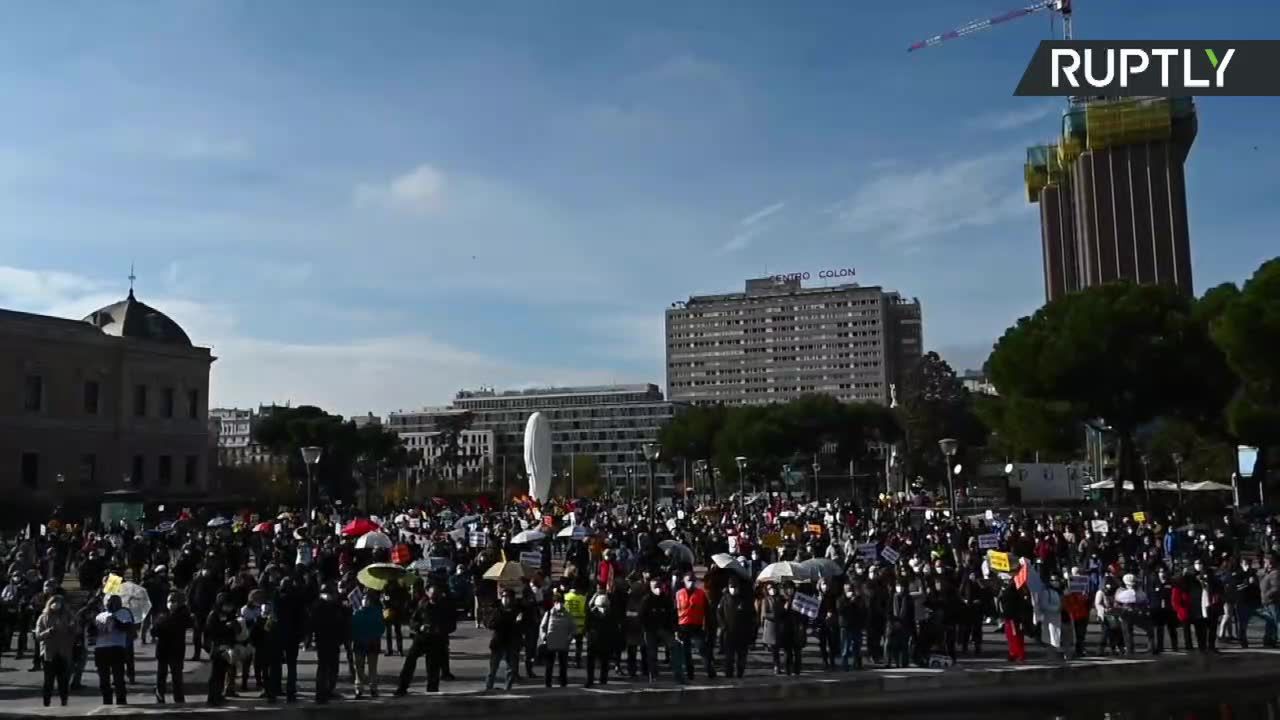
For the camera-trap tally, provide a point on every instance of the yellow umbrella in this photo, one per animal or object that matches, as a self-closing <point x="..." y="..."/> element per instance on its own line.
<point x="379" y="575"/>
<point x="506" y="574"/>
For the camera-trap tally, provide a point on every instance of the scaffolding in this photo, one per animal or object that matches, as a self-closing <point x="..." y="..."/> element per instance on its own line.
<point x="1043" y="167"/>
<point x="1130" y="123"/>
<point x="1098" y="123"/>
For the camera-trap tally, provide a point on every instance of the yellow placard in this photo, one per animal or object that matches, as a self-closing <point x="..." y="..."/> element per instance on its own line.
<point x="771" y="541"/>
<point x="112" y="585"/>
<point x="999" y="561"/>
<point x="1140" y="517"/>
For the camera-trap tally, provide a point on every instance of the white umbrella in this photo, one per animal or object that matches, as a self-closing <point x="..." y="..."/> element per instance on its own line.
<point x="219" y="522"/>
<point x="528" y="536"/>
<point x="134" y="597"/>
<point x="725" y="561"/>
<point x="575" y="532"/>
<point x="467" y="520"/>
<point x="373" y="539"/>
<point x="782" y="571"/>
<point x="823" y="567"/>
<point x="674" y="548"/>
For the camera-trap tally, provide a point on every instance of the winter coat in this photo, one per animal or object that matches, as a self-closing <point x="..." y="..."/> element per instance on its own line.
<point x="1269" y="587"/>
<point x="56" y="633"/>
<point x="557" y="630"/>
<point x="775" y="620"/>
<point x="603" y="630"/>
<point x="506" y="626"/>
<point x="736" y="616"/>
<point x="170" y="631"/>
<point x="658" y="614"/>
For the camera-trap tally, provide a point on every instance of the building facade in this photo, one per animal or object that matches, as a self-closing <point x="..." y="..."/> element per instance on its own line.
<point x="116" y="401"/>
<point x="235" y="431"/>
<point x="779" y="340"/>
<point x="1112" y="194"/>
<point x="476" y="454"/>
<point x="608" y="423"/>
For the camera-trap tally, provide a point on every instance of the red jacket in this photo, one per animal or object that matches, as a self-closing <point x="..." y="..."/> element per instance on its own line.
<point x="691" y="607"/>
<point x="1181" y="601"/>
<point x="604" y="575"/>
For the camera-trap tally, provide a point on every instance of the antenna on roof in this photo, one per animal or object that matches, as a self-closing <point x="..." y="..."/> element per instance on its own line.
<point x="132" y="277"/>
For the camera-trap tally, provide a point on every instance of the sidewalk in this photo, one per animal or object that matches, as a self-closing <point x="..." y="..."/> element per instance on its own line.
<point x="987" y="677"/>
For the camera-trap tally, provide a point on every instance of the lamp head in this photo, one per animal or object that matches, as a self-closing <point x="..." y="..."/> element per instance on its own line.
<point x="948" y="446"/>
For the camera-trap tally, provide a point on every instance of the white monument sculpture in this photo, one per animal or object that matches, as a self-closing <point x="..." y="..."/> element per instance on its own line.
<point x="537" y="456"/>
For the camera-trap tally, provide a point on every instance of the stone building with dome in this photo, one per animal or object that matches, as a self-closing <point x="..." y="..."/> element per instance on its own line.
<point x="116" y="401"/>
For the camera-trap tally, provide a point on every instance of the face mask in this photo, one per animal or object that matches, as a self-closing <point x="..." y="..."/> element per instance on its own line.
<point x="656" y="591"/>
<point x="773" y="592"/>
<point x="899" y="588"/>
<point x="559" y="606"/>
<point x="733" y="591"/>
<point x="689" y="584"/>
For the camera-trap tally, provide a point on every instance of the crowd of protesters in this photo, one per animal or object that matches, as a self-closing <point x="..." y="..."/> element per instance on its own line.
<point x="692" y="590"/>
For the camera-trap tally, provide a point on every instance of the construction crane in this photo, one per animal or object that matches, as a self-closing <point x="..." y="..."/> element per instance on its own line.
<point x="1061" y="7"/>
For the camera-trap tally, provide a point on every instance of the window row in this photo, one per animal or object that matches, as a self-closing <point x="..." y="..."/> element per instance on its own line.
<point x="35" y="391"/>
<point x="33" y="466"/>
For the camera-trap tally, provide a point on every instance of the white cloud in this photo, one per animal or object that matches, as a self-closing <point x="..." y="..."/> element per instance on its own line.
<point x="903" y="208"/>
<point x="751" y="227"/>
<point x="1013" y="119"/>
<point x="418" y="190"/>
<point x="349" y="376"/>
<point x="762" y="213"/>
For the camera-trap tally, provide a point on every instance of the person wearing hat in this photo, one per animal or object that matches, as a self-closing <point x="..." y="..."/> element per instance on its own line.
<point x="604" y="630"/>
<point x="1132" y="607"/>
<point x="156" y="583"/>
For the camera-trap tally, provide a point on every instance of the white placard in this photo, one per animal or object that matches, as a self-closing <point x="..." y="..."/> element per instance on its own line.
<point x="806" y="605"/>
<point x="1100" y="526"/>
<point x="532" y="558"/>
<point x="990" y="541"/>
<point x="889" y="554"/>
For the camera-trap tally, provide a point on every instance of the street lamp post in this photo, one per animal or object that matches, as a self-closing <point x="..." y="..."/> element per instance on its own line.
<point x="310" y="456"/>
<point x="651" y="452"/>
<point x="1177" y="467"/>
<point x="742" y="485"/>
<point x="631" y="483"/>
<point x="817" y="467"/>
<point x="948" y="447"/>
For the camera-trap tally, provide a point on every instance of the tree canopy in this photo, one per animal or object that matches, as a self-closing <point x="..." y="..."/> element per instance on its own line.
<point x="1123" y="353"/>
<point x="347" y="451"/>
<point x="934" y="405"/>
<point x="771" y="436"/>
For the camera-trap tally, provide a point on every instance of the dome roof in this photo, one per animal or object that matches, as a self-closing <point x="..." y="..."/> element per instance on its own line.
<point x="131" y="318"/>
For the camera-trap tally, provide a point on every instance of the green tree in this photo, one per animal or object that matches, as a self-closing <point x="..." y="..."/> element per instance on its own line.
<point x="691" y="435"/>
<point x="935" y="405"/>
<point x="451" y="427"/>
<point x="1247" y="329"/>
<point x="1121" y="352"/>
<point x="1024" y="429"/>
<point x="348" y="452"/>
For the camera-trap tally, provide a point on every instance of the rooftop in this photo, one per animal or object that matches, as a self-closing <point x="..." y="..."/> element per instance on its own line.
<point x="542" y="392"/>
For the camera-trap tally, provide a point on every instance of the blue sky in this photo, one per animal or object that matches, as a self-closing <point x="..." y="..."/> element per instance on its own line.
<point x="370" y="205"/>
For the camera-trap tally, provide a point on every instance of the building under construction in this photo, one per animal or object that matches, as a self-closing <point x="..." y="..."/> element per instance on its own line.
<point x="1112" y="194"/>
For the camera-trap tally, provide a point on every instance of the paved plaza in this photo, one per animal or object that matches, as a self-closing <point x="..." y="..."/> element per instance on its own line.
<point x="20" y="688"/>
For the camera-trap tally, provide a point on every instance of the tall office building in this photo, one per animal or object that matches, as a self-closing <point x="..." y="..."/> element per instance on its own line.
<point x="1112" y="194"/>
<point x="778" y="340"/>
